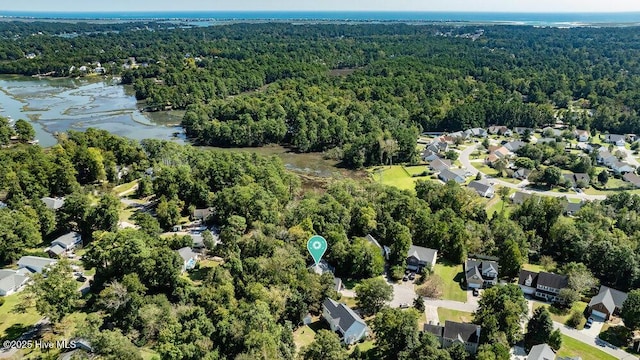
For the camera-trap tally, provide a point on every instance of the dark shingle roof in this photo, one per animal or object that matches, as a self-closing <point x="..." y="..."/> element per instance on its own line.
<point x="436" y="330"/>
<point x="465" y="332"/>
<point x="553" y="280"/>
<point x="525" y="275"/>
<point x="479" y="186"/>
<point x="342" y="314"/>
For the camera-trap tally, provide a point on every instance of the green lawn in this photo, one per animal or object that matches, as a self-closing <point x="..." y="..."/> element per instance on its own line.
<point x="572" y="347"/>
<point x="12" y="325"/>
<point x="148" y="354"/>
<point x="451" y="276"/>
<point x="532" y="267"/>
<point x="396" y="176"/>
<point x="305" y="335"/>
<point x="416" y="170"/>
<point x="454" y="315"/>
<point x="124" y="187"/>
<point x="349" y="301"/>
<point x="365" y="346"/>
<point x="564" y="316"/>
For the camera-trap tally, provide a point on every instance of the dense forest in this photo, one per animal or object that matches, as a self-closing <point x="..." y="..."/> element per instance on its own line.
<point x="254" y="84"/>
<point x="248" y="307"/>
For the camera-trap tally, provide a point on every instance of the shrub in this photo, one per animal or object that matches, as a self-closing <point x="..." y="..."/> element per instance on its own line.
<point x="575" y="319"/>
<point x="397" y="272"/>
<point x="432" y="287"/>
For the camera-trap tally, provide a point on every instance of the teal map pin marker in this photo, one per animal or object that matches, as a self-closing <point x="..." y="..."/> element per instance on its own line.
<point x="317" y="246"/>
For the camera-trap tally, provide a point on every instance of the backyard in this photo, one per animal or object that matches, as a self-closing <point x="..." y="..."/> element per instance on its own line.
<point x="13" y="324"/>
<point x="454" y="315"/>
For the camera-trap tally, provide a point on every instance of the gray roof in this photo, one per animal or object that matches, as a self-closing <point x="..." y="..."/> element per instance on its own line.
<point x="522" y="172"/>
<point x="35" y="261"/>
<point x="610" y="298"/>
<point x="476" y="267"/>
<point x="186" y="253"/>
<point x="515" y="145"/>
<point x="541" y="352"/>
<point x="447" y="175"/>
<point x="2" y="205"/>
<point x="422" y="253"/>
<point x="11" y="279"/>
<point x="574" y="178"/>
<point x="57" y="249"/>
<point x="342" y="314"/>
<point x="632" y="178"/>
<point x="436" y="330"/>
<point x="322" y="267"/>
<point x="468" y="333"/>
<point x="519" y="197"/>
<point x="53" y="203"/>
<point x="202" y="213"/>
<point x="480" y="186"/>
<point x="573" y="207"/>
<point x="440" y="164"/>
<point x="373" y="240"/>
<point x="69" y="239"/>
<point x="614" y="137"/>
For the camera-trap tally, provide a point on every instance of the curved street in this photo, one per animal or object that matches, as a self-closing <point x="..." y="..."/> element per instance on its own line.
<point x="466" y="163"/>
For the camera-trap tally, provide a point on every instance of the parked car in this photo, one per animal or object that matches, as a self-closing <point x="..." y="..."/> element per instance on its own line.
<point x="412" y="276"/>
<point x="589" y="323"/>
<point x="475" y="292"/>
<point x="405" y="278"/>
<point x="404" y="306"/>
<point x="81" y="278"/>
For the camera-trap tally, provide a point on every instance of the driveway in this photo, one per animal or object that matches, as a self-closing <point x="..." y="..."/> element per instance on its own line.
<point x="473" y="300"/>
<point x="432" y="314"/>
<point x="466" y="163"/>
<point x="587" y="339"/>
<point x="631" y="159"/>
<point x="595" y="328"/>
<point x="403" y="293"/>
<point x="450" y="304"/>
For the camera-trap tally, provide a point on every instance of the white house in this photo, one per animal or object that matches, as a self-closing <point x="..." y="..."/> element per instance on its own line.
<point x="582" y="135"/>
<point x="189" y="258"/>
<point x="53" y="203"/>
<point x="620" y="167"/>
<point x="617" y="140"/>
<point x="541" y="352"/>
<point x="35" y="263"/>
<point x="456" y="175"/>
<point x="345" y="321"/>
<point x="484" y="190"/>
<point x="65" y="243"/>
<point x="419" y="257"/>
<point x="11" y="281"/>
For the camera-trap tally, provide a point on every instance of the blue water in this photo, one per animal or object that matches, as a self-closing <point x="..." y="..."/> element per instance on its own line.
<point x="523" y="18"/>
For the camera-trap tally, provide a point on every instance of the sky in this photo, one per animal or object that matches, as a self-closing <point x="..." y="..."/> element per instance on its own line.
<point x="325" y="5"/>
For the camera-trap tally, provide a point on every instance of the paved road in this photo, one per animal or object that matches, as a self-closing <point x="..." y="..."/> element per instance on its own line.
<point x="464" y="160"/>
<point x="578" y="335"/>
<point x="450" y="304"/>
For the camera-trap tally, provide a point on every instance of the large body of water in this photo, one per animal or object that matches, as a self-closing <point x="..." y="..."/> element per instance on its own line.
<point x="57" y="105"/>
<point x="542" y="19"/>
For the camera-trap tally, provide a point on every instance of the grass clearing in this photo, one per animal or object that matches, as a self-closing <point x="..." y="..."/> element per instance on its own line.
<point x="396" y="176"/>
<point x="304" y="335"/>
<point x="148" y="354"/>
<point x="12" y="324"/>
<point x="454" y="315"/>
<point x="533" y="267"/>
<point x="563" y="316"/>
<point x="125" y="187"/>
<point x="572" y="347"/>
<point x="452" y="277"/>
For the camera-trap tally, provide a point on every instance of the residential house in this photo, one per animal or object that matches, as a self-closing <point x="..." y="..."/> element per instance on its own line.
<point x="577" y="179"/>
<point x="344" y="321"/>
<point x="630" y="137"/>
<point x="201" y="214"/>
<point x="483" y="189"/>
<point x="582" y="135"/>
<point x="35" y="264"/>
<point x="53" y="203"/>
<point x="605" y="157"/>
<point x="64" y="244"/>
<point x="428" y="155"/>
<point x="615" y="139"/>
<point x="546" y="140"/>
<point x="551" y="132"/>
<point x="514" y="146"/>
<point x="608" y="302"/>
<point x="322" y="267"/>
<point x="189" y="258"/>
<point x="337" y="284"/>
<point x="522" y="174"/>
<point x="585" y="147"/>
<point x="632" y="178"/>
<point x="384" y="250"/>
<point x="491" y="159"/>
<point x="476" y="132"/>
<point x="456" y="175"/>
<point x="453" y="332"/>
<point x="502" y="152"/>
<point x="440" y="164"/>
<point x="522" y="130"/>
<point x="11" y="281"/>
<point x="480" y="273"/>
<point x="541" y="352"/>
<point x="543" y="285"/>
<point x="459" y="134"/>
<point x="519" y="197"/>
<point x="571" y="208"/>
<point x="419" y="257"/>
<point x="438" y="147"/>
<point x="621" y="168"/>
<point x="499" y="130"/>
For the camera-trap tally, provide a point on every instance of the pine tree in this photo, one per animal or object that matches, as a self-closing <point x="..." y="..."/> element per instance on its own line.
<point x="539" y="328"/>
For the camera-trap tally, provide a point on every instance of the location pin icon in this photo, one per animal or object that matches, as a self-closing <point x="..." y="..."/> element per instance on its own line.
<point x="317" y="246"/>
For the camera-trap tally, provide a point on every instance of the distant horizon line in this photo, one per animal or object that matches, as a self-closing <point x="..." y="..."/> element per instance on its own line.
<point x="316" y="11"/>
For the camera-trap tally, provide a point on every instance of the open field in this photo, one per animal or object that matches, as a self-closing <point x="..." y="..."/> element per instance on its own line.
<point x="573" y="347"/>
<point x="305" y="335"/>
<point x="397" y="176"/>
<point x="451" y="276"/>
